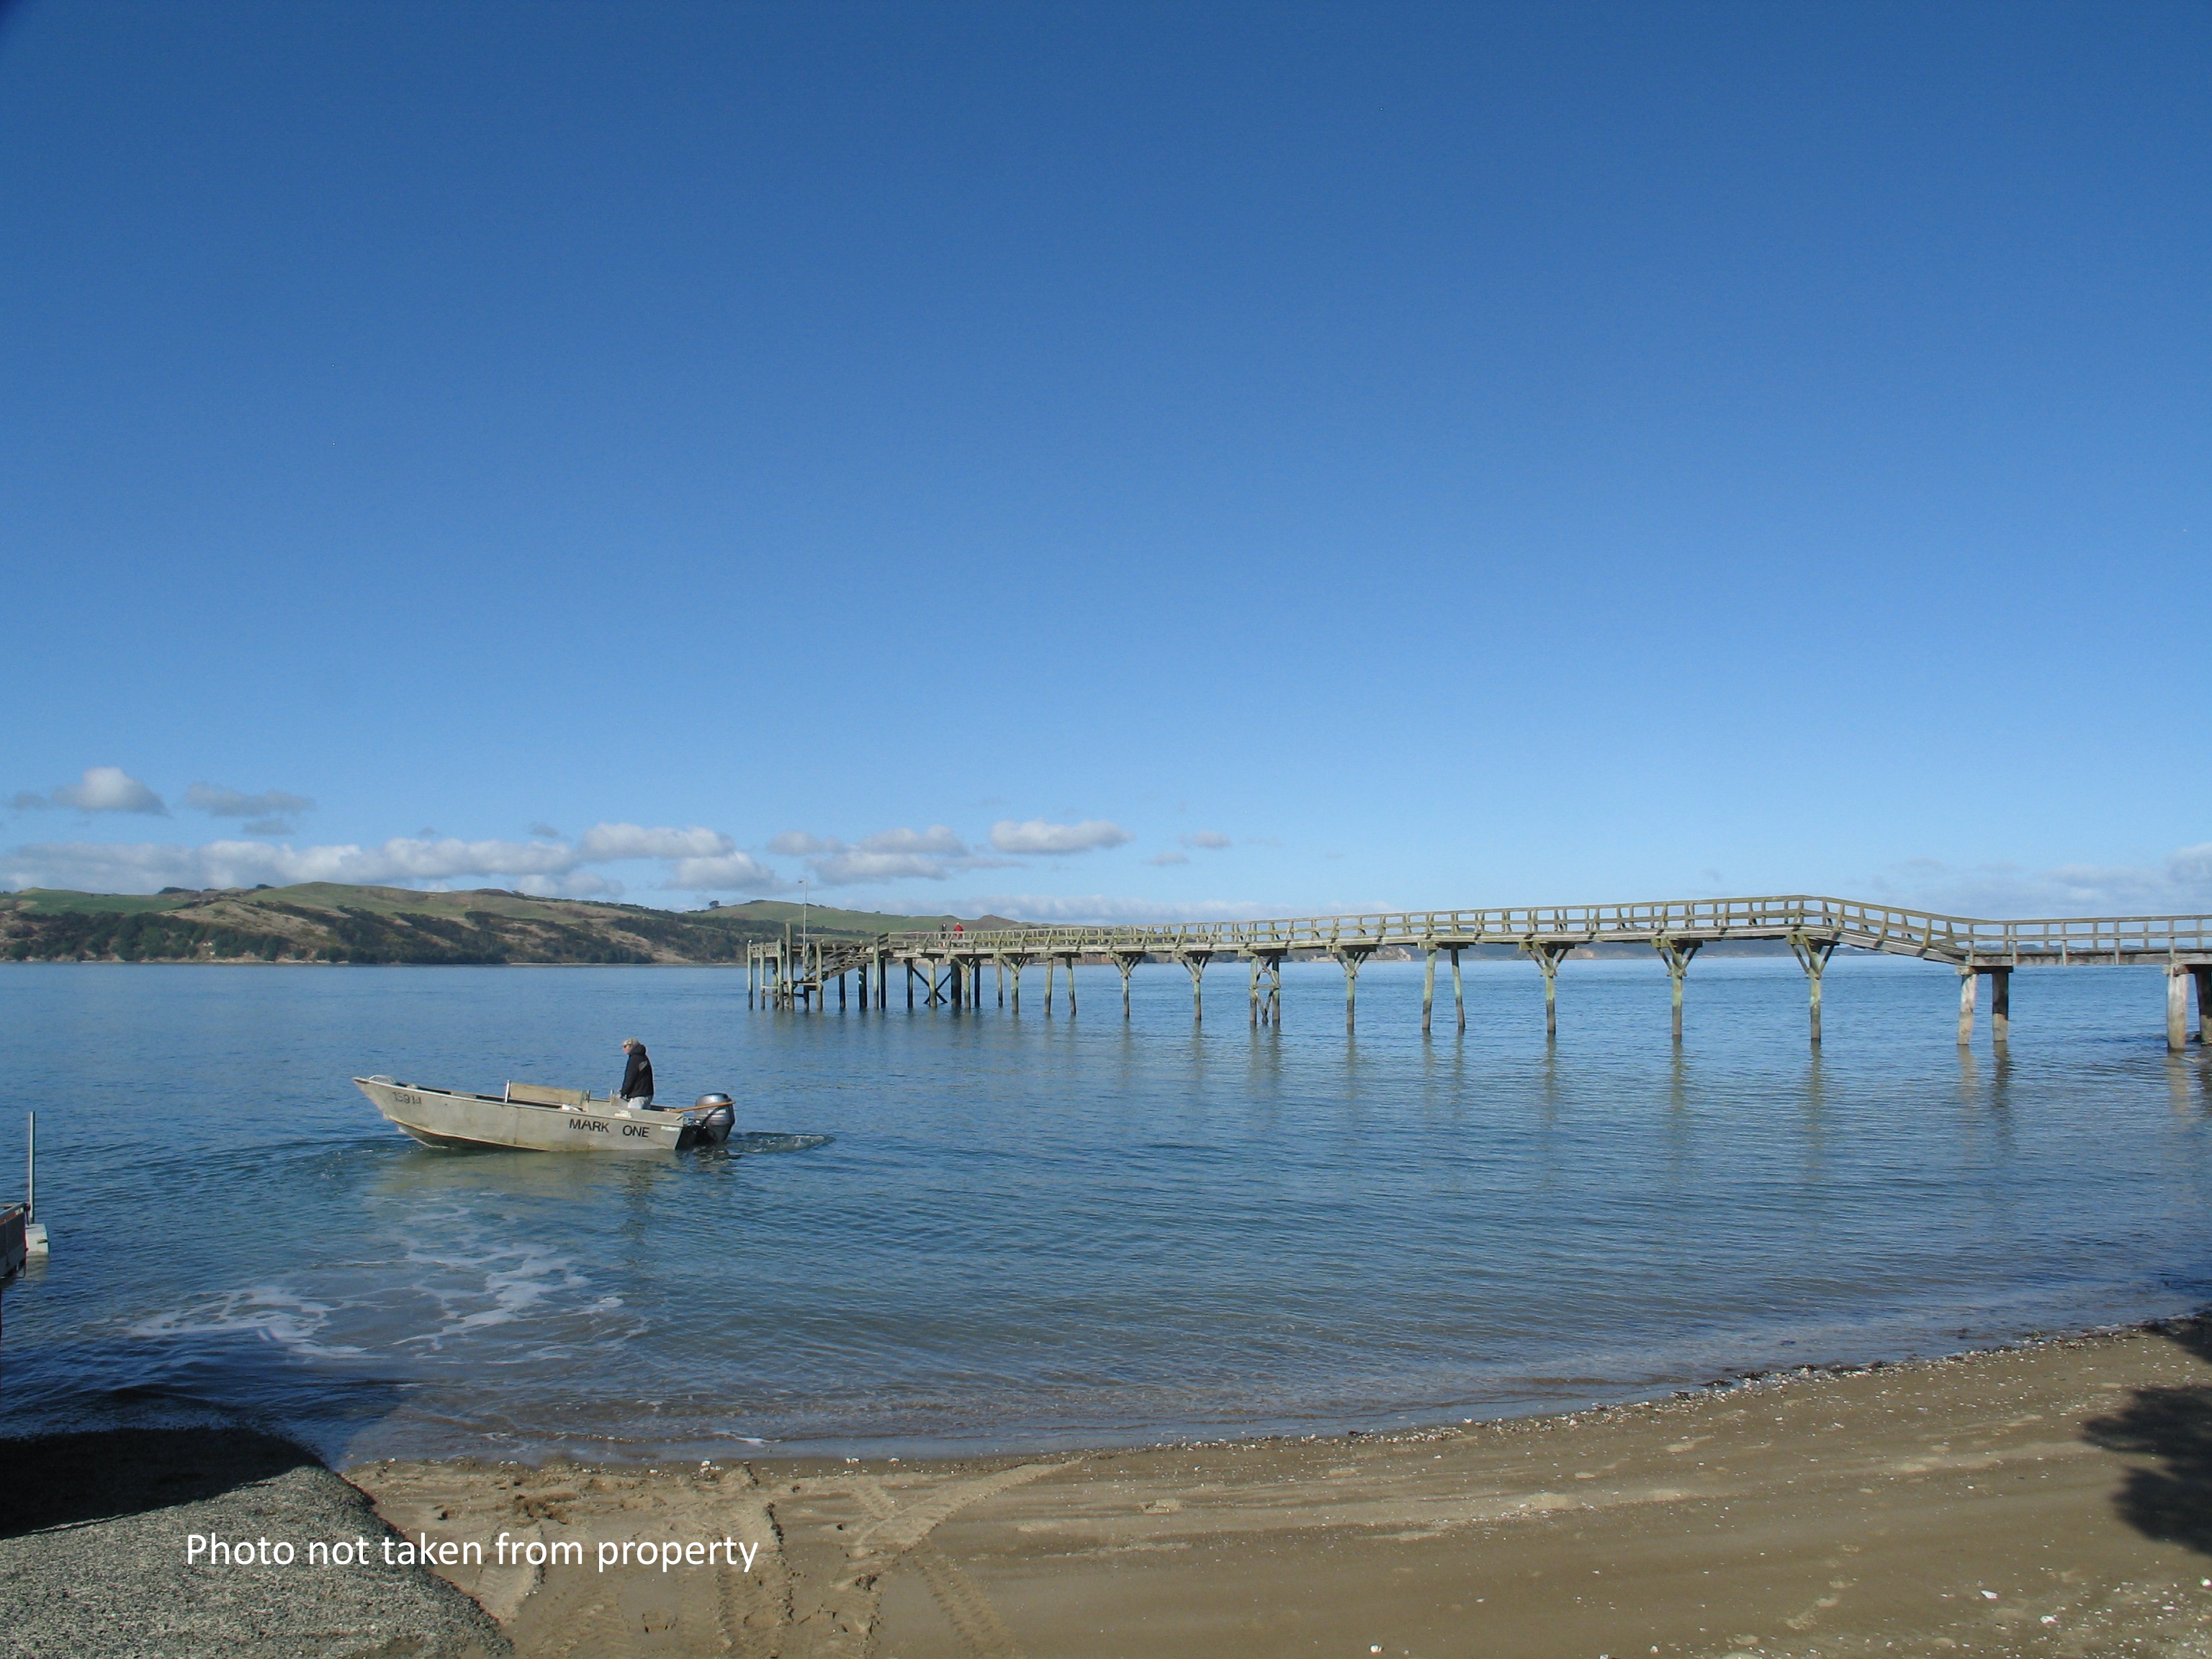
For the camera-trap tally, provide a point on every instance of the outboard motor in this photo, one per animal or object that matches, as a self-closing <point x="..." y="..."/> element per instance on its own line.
<point x="721" y="1117"/>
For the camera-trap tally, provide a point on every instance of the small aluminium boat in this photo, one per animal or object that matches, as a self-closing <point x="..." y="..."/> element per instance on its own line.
<point x="531" y="1116"/>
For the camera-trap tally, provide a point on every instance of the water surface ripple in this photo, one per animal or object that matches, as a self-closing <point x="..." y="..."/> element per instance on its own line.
<point x="1031" y="1231"/>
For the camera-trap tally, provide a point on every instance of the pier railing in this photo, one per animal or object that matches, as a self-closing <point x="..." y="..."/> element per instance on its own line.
<point x="1892" y="929"/>
<point x="950" y="962"/>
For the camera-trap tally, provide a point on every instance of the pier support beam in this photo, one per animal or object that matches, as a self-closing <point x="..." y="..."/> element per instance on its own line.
<point x="1050" y="964"/>
<point x="1350" y="958"/>
<point x="1267" y="987"/>
<point x="1071" y="961"/>
<point x="1813" y="956"/>
<point x="1459" y="997"/>
<point x="1547" y="953"/>
<point x="1127" y="962"/>
<point x="2000" y="1006"/>
<point x="1428" y="986"/>
<point x="1969" y="983"/>
<point x="1001" y="964"/>
<point x="1677" y="954"/>
<point x="2202" y="973"/>
<point x="910" y="985"/>
<point x="1194" y="962"/>
<point x="2177" y="1008"/>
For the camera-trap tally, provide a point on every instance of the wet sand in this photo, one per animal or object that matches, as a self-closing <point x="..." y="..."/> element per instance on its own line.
<point x="2054" y="1499"/>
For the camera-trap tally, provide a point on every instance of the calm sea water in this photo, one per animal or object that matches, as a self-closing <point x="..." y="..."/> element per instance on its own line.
<point x="1031" y="1231"/>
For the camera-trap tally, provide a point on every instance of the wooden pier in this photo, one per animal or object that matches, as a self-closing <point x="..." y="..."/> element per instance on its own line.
<point x="949" y="967"/>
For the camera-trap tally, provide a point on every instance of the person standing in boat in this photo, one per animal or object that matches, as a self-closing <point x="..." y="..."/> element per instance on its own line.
<point x="637" y="1076"/>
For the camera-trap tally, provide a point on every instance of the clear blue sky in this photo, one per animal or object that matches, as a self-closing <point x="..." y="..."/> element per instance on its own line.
<point x="1375" y="455"/>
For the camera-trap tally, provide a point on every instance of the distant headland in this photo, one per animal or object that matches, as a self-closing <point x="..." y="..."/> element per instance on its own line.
<point x="328" y="922"/>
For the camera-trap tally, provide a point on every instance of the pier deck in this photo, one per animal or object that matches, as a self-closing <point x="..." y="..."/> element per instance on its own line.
<point x="948" y="964"/>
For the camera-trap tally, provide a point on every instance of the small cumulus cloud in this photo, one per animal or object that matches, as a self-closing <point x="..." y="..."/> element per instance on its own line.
<point x="631" y="841"/>
<point x="218" y="802"/>
<point x="936" y="841"/>
<point x="1039" y="836"/>
<point x="732" y="872"/>
<point x="1209" y="839"/>
<point x="545" y="831"/>
<point x="855" y="868"/>
<point x="1169" y="857"/>
<point x="901" y="854"/>
<point x="103" y="789"/>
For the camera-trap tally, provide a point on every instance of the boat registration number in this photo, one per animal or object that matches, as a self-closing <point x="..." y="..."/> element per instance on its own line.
<point x="406" y="1099"/>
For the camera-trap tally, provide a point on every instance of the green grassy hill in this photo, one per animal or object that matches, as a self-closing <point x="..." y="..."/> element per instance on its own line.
<point x="326" y="922"/>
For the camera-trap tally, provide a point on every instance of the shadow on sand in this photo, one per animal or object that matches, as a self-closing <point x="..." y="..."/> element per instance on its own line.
<point x="2172" y="1502"/>
<point x="65" y="1479"/>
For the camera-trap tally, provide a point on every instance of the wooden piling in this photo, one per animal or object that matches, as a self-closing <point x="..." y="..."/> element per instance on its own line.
<point x="1458" y="999"/>
<point x="1969" y="982"/>
<point x="1428" y="988"/>
<point x="2177" y="1008"/>
<point x="1676" y="953"/>
<point x="2000" y="1005"/>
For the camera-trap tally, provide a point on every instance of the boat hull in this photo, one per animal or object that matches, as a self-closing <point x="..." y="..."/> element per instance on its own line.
<point x="446" y="1118"/>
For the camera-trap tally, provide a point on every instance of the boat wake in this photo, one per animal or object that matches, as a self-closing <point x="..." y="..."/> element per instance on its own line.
<point x="759" y="1142"/>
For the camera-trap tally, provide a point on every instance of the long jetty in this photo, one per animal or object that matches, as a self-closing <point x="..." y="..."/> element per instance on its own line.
<point x="948" y="965"/>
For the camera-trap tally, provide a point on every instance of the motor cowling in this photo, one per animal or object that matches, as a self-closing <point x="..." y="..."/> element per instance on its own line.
<point x="721" y="1116"/>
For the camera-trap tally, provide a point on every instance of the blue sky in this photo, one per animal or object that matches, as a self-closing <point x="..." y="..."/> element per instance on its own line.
<point x="1109" y="460"/>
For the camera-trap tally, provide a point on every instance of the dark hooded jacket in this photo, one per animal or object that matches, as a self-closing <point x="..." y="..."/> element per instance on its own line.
<point x="637" y="1076"/>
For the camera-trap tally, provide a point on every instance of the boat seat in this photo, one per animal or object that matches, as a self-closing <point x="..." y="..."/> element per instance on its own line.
<point x="538" y="1094"/>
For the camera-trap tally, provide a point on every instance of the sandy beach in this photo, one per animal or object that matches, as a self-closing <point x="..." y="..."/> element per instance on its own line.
<point x="2050" y="1499"/>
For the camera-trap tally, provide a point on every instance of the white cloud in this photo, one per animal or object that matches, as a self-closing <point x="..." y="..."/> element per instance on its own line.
<point x="1206" y="838"/>
<point x="725" y="873"/>
<point x="1104" y="907"/>
<point x="698" y="860"/>
<point x="630" y="841"/>
<point x="855" y="868"/>
<point x="937" y="840"/>
<point x="901" y="854"/>
<point x="105" y="789"/>
<point x="218" y="802"/>
<point x="1169" y="857"/>
<point x="1039" y="836"/>
<point x="120" y="866"/>
<point x="2182" y="886"/>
